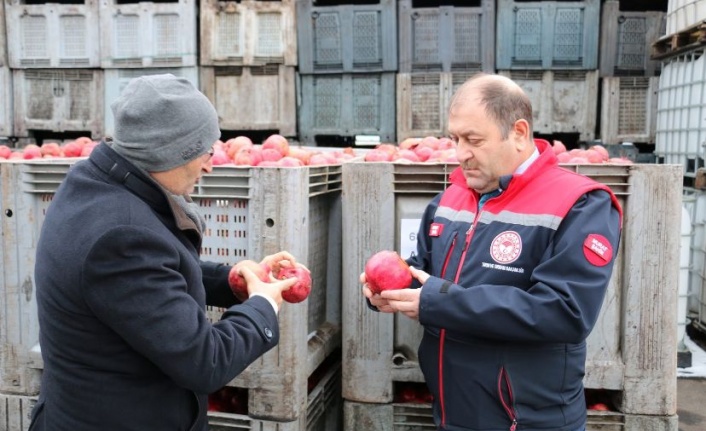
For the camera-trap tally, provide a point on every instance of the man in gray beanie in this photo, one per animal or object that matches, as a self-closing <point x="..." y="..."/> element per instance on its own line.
<point x="162" y="122"/>
<point x="121" y="290"/>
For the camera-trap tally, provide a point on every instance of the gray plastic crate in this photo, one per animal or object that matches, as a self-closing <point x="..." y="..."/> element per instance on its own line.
<point x="629" y="109"/>
<point x="680" y="133"/>
<point x="117" y="79"/>
<point x="3" y="41"/>
<point x="247" y="33"/>
<point x="347" y="105"/>
<point x="58" y="100"/>
<point x="324" y="411"/>
<point x="148" y="34"/>
<point x="446" y="38"/>
<point x="423" y="100"/>
<point x="53" y="34"/>
<point x="250" y="213"/>
<point x="547" y="35"/>
<point x="631" y="348"/>
<point x="418" y="417"/>
<point x="626" y="40"/>
<point x="5" y="101"/>
<point x="252" y="97"/>
<point x="16" y="412"/>
<point x="347" y="38"/>
<point x="563" y="101"/>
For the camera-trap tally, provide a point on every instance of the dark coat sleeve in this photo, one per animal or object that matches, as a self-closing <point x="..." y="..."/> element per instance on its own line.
<point x="215" y="281"/>
<point x="564" y="301"/>
<point x="134" y="282"/>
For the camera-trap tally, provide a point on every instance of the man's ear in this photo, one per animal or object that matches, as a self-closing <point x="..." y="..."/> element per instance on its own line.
<point x="521" y="131"/>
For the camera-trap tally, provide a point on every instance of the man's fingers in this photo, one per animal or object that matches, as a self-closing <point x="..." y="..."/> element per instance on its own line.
<point x="286" y="284"/>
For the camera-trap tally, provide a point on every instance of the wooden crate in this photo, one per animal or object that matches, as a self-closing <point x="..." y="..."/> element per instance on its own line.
<point x="148" y="34"/>
<point x="252" y="97"/>
<point x="423" y="101"/>
<point x="5" y="101"/>
<point x="247" y="33"/>
<point x="418" y="417"/>
<point x="447" y="38"/>
<point x="626" y="40"/>
<point x="250" y="213"/>
<point x="629" y="109"/>
<point x="563" y="101"/>
<point x="631" y="348"/>
<point x="58" y="100"/>
<point x="53" y="35"/>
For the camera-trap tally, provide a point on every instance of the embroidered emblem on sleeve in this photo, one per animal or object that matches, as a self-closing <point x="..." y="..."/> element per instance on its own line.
<point x="597" y="250"/>
<point x="506" y="247"/>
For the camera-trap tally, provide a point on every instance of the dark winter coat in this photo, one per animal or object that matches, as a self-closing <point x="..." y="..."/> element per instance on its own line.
<point x="516" y="288"/>
<point x="121" y="296"/>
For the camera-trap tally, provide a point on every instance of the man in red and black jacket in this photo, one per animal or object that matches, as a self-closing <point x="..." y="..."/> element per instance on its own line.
<point x="512" y="264"/>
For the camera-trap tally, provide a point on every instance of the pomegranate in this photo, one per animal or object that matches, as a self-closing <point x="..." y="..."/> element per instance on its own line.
<point x="237" y="282"/>
<point x="386" y="270"/>
<point x="301" y="289"/>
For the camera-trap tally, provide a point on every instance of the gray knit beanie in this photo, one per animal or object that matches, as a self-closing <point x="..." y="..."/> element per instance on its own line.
<point x="162" y="122"/>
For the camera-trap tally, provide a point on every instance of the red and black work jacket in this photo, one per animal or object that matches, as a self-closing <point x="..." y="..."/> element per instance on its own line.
<point x="515" y="289"/>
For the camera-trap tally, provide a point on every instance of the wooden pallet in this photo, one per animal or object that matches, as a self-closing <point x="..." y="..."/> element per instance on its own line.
<point x="682" y="41"/>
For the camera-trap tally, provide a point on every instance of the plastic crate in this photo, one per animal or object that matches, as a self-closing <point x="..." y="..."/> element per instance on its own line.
<point x="631" y="348"/>
<point x="117" y="79"/>
<point x="16" y="412"/>
<point x="682" y="14"/>
<point x="147" y="34"/>
<point x="5" y="101"/>
<point x="563" y="101"/>
<point x="347" y="38"/>
<point x="58" y="100"/>
<point x="3" y="41"/>
<point x="250" y="213"/>
<point x="547" y="35"/>
<point x="423" y="101"/>
<point x="447" y="38"/>
<point x="247" y="33"/>
<point x="418" y="417"/>
<point x="253" y="97"/>
<point x="626" y="40"/>
<point x="53" y="34"/>
<point x="680" y="133"/>
<point x="629" y="109"/>
<point x="347" y="105"/>
<point x="324" y="411"/>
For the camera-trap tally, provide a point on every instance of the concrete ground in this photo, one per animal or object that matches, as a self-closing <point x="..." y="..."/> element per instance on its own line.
<point x="691" y="404"/>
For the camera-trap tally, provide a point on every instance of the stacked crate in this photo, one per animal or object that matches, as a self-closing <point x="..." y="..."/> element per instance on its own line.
<point x="347" y="64"/>
<point x="145" y="38"/>
<point x="550" y="48"/>
<point x="248" y="57"/>
<point x="54" y="55"/>
<point x="440" y="46"/>
<point x="631" y="348"/>
<point x="5" y="81"/>
<point x="294" y="387"/>
<point x="629" y="77"/>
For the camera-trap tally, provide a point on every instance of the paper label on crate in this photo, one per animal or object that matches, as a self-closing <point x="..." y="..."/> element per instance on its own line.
<point x="409" y="227"/>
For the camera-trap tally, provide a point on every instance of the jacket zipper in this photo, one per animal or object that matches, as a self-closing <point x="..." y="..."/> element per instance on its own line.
<point x="507" y="405"/>
<point x="469" y="234"/>
<point x="442" y="335"/>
